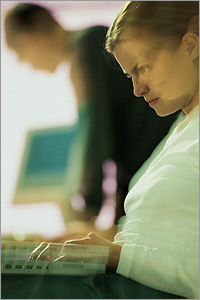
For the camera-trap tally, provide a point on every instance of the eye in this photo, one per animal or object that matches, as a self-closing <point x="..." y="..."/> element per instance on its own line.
<point x="143" y="69"/>
<point x="128" y="76"/>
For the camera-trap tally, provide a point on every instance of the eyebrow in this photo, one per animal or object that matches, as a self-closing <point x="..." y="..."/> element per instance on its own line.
<point x="133" y="70"/>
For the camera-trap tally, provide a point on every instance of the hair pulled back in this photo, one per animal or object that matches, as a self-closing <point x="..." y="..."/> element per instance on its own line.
<point x="163" y="18"/>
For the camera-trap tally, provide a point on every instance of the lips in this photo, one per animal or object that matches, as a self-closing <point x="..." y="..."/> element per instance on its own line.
<point x="152" y="102"/>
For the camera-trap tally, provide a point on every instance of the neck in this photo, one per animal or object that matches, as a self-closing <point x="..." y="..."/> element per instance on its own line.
<point x="62" y="40"/>
<point x="66" y="42"/>
<point x="193" y="103"/>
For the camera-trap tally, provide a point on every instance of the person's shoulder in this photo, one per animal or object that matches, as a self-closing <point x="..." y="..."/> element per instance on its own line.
<point x="89" y="39"/>
<point x="94" y="33"/>
<point x="97" y="29"/>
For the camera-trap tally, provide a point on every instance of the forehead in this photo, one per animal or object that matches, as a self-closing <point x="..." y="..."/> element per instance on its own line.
<point x="133" y="50"/>
<point x="137" y="44"/>
<point x="142" y="35"/>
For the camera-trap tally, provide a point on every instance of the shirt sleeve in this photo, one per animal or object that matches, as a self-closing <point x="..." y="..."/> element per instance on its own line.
<point x="169" y="270"/>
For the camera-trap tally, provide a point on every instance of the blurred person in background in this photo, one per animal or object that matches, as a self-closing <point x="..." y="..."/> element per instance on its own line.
<point x="113" y="124"/>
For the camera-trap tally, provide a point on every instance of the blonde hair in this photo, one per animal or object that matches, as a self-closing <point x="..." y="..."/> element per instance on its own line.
<point x="163" y="18"/>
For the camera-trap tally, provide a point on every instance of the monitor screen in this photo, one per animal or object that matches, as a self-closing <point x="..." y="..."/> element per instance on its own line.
<point x="44" y="164"/>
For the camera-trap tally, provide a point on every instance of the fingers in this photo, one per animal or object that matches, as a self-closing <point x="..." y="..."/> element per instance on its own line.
<point x="97" y="240"/>
<point x="90" y="239"/>
<point x="47" y="251"/>
<point x="85" y="241"/>
<point x="88" y="249"/>
<point x="51" y="251"/>
<point x="60" y="258"/>
<point x="45" y="254"/>
<point x="36" y="251"/>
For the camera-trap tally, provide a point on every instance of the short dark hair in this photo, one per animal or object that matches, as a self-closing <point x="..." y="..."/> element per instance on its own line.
<point x="28" y="18"/>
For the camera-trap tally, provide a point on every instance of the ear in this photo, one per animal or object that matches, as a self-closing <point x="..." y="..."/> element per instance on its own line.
<point x="191" y="44"/>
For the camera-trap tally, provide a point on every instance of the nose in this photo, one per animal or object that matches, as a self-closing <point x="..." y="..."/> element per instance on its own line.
<point x="139" y="88"/>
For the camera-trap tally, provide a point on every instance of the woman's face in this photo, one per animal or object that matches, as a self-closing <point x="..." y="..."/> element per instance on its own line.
<point x="166" y="77"/>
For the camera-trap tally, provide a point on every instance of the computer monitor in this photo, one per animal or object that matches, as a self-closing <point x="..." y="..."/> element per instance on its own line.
<point x="44" y="166"/>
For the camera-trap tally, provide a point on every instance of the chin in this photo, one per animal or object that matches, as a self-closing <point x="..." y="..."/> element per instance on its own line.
<point x="161" y="114"/>
<point x="165" y="113"/>
<point x="44" y="68"/>
<point x="50" y="70"/>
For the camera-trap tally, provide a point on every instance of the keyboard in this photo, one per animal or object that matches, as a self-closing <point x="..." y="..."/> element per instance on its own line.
<point x="81" y="260"/>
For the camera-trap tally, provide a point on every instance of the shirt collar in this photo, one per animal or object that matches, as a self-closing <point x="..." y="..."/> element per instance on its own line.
<point x="193" y="114"/>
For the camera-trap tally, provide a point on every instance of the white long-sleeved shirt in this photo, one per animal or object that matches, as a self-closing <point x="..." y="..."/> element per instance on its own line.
<point x="161" y="235"/>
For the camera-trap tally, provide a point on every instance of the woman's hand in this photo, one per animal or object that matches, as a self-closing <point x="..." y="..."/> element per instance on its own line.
<point x="93" y="239"/>
<point x="50" y="251"/>
<point x="46" y="251"/>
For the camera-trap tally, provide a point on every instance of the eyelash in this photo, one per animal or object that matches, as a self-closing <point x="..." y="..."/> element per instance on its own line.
<point x="143" y="69"/>
<point x="139" y="70"/>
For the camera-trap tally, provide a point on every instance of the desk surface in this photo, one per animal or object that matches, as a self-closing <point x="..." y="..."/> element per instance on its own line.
<point x="99" y="286"/>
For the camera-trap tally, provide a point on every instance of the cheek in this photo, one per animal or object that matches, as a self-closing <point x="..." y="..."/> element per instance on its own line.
<point x="167" y="81"/>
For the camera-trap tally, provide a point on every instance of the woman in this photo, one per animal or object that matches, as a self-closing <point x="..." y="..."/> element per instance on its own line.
<point x="157" y="45"/>
<point x="159" y="52"/>
<point x="111" y="119"/>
